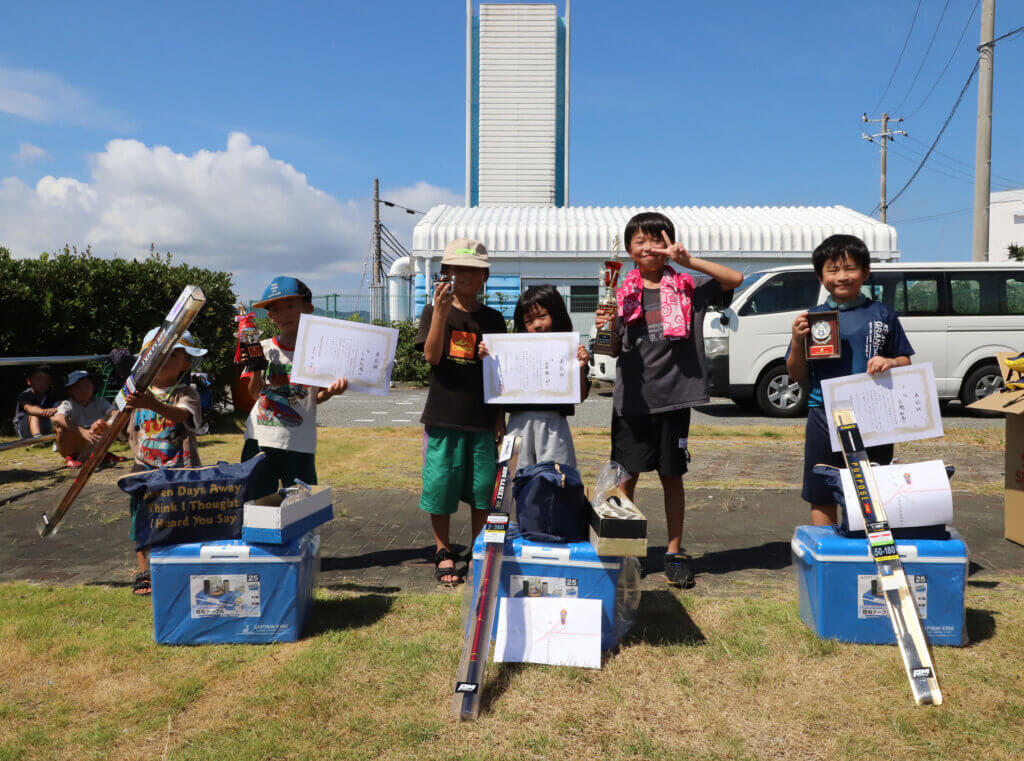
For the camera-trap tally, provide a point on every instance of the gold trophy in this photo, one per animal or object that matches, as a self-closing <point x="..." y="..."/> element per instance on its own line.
<point x="608" y="277"/>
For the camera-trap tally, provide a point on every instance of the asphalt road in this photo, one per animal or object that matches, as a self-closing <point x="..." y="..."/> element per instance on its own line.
<point x="402" y="407"/>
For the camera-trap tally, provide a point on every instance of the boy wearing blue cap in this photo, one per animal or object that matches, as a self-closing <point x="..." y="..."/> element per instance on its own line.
<point x="80" y="420"/>
<point x="282" y="423"/>
<point x="162" y="428"/>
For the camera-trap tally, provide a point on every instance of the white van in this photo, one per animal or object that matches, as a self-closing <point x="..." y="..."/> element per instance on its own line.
<point x="957" y="315"/>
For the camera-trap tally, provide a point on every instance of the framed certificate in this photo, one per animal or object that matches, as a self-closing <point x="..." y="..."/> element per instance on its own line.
<point x="531" y="368"/>
<point x="327" y="349"/>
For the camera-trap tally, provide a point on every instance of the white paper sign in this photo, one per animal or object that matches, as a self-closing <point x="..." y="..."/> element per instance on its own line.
<point x="327" y="349"/>
<point x="531" y="368"/>
<point x="915" y="494"/>
<point x="898" y="405"/>
<point x="559" y="631"/>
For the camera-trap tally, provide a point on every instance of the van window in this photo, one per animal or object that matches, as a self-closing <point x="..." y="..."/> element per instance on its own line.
<point x="784" y="292"/>
<point x="986" y="292"/>
<point x="910" y="293"/>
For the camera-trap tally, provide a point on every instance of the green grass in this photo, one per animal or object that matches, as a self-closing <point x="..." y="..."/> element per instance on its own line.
<point x="699" y="678"/>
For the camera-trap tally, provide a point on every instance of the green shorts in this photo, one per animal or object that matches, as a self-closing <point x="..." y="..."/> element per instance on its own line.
<point x="279" y="465"/>
<point x="457" y="466"/>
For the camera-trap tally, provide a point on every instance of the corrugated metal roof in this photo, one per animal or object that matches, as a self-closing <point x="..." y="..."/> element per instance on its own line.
<point x="512" y="230"/>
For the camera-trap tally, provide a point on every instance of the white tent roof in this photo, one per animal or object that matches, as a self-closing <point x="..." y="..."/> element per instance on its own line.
<point x="511" y="231"/>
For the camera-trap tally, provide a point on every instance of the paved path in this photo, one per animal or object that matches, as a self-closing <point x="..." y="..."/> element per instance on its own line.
<point x="381" y="541"/>
<point x="402" y="407"/>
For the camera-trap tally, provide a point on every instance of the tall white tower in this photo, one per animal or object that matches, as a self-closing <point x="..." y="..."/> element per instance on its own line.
<point x="517" y="105"/>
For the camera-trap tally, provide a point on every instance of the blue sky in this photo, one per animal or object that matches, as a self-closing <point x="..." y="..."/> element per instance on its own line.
<point x="246" y="136"/>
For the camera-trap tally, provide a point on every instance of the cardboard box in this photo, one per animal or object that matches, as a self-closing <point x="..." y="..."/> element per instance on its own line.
<point x="1010" y="403"/>
<point x="618" y="528"/>
<point x="265" y="521"/>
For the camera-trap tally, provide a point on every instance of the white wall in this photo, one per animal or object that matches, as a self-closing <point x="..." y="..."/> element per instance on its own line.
<point x="1005" y="223"/>
<point x="518" y="101"/>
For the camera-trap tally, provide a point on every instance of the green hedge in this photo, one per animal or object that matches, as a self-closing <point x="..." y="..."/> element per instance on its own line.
<point x="73" y="302"/>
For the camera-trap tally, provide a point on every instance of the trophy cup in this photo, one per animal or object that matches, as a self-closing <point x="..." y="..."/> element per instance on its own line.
<point x="608" y="277"/>
<point x="249" y="352"/>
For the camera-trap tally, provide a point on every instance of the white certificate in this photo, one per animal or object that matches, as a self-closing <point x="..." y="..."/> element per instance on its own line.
<point x="914" y="494"/>
<point x="531" y="368"/>
<point x="898" y="405"/>
<point x="328" y="349"/>
<point x="559" y="631"/>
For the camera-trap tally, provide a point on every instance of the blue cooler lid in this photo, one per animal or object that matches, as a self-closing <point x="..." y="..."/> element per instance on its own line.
<point x="234" y="551"/>
<point x="826" y="543"/>
<point x="579" y="554"/>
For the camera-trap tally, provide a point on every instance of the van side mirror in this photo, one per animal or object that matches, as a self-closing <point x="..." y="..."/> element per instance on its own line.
<point x="723" y="318"/>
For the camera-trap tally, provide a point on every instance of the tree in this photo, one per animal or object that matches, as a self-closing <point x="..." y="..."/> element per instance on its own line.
<point x="1015" y="251"/>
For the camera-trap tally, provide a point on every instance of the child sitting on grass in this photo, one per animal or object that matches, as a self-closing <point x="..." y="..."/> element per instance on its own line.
<point x="36" y="404"/>
<point x="80" y="420"/>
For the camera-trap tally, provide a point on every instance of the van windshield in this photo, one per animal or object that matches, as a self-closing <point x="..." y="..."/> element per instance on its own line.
<point x="748" y="281"/>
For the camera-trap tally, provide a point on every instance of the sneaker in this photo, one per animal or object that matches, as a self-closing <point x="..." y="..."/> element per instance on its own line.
<point x="71" y="462"/>
<point x="678" y="571"/>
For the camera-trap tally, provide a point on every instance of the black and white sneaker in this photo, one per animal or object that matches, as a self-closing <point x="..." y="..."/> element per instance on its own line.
<point x="678" y="571"/>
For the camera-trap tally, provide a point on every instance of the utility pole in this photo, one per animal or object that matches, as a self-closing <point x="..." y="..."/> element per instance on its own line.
<point x="884" y="137"/>
<point x="377" y="287"/>
<point x="983" y="140"/>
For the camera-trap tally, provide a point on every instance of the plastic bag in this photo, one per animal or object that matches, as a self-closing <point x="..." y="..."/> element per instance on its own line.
<point x="611" y="477"/>
<point x="627" y="598"/>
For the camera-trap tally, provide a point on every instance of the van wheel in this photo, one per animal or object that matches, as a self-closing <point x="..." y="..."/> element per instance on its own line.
<point x="984" y="381"/>
<point x="778" y="395"/>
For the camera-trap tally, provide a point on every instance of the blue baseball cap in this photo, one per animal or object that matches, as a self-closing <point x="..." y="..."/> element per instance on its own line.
<point x="284" y="288"/>
<point x="74" y="376"/>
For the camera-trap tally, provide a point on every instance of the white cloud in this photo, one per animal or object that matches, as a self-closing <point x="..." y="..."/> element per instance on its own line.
<point x="45" y="97"/>
<point x="236" y="209"/>
<point x="29" y="154"/>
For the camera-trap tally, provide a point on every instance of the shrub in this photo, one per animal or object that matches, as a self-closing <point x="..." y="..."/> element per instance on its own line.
<point x="73" y="302"/>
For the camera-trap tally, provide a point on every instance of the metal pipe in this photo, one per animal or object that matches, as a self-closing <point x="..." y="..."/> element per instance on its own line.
<point x="62" y="360"/>
<point x="46" y="439"/>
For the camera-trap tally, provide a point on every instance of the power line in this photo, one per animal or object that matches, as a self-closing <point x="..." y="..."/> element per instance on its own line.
<point x="938" y="137"/>
<point x="899" y="58"/>
<point x="948" y="60"/>
<point x="967" y="169"/>
<point x="925" y="58"/>
<point x="1013" y="33"/>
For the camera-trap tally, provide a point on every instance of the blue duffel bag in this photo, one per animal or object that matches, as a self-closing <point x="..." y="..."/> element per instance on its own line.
<point x="551" y="505"/>
<point x="185" y="505"/>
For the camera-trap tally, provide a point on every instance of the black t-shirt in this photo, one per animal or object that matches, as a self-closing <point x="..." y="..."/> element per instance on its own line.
<point x="658" y="374"/>
<point x="47" y="400"/>
<point x="456" y="395"/>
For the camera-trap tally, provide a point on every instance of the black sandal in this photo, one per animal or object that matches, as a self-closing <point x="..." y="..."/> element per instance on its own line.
<point x="439" y="557"/>
<point x="143" y="584"/>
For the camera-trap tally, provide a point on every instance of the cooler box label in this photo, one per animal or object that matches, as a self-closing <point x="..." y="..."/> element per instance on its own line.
<point x="871" y="603"/>
<point x="225" y="595"/>
<point x="543" y="586"/>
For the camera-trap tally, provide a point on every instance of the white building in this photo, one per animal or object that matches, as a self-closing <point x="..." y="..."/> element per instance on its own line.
<point x="517" y="97"/>
<point x="517" y="149"/>
<point x="565" y="247"/>
<point x="1005" y="223"/>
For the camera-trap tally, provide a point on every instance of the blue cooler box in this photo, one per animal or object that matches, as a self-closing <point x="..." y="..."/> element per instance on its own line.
<point x="542" y="569"/>
<point x="838" y="585"/>
<point x="231" y="591"/>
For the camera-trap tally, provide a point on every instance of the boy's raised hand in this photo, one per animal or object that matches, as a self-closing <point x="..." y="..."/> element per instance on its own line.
<point x="141" y="400"/>
<point x="801" y="327"/>
<point x="677" y="251"/>
<point x="582" y="355"/>
<point x="603" y="317"/>
<point x="482" y="350"/>
<point x="338" y="387"/>
<point x="443" y="296"/>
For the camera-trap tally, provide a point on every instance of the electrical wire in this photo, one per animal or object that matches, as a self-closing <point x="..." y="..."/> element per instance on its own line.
<point x="898" y="58"/>
<point x="925" y="58"/>
<point x="948" y="60"/>
<point x="998" y="179"/>
<point x="938" y="137"/>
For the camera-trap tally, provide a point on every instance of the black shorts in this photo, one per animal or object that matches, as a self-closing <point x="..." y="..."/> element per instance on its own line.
<point x="642" y="443"/>
<point x="818" y="451"/>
